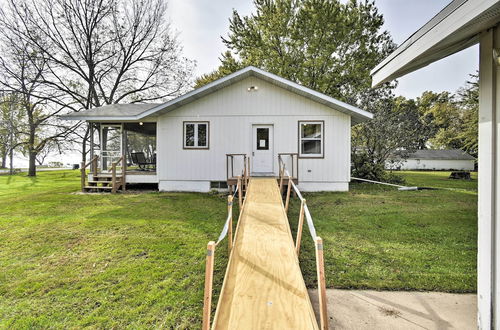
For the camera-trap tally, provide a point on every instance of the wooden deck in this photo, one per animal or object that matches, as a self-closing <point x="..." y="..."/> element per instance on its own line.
<point x="263" y="286"/>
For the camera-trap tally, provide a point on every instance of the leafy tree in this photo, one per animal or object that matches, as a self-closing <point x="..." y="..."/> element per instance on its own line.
<point x="11" y="125"/>
<point x="326" y="45"/>
<point x="451" y="119"/>
<point x="468" y="99"/>
<point x="395" y="129"/>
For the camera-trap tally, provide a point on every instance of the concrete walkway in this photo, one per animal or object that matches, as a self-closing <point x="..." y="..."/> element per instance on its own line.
<point x="356" y="309"/>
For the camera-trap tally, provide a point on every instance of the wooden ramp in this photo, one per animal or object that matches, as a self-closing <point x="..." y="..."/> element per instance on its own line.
<point x="263" y="286"/>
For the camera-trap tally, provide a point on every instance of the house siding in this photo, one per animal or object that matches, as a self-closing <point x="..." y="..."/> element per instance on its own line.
<point x="231" y="112"/>
<point x="435" y="164"/>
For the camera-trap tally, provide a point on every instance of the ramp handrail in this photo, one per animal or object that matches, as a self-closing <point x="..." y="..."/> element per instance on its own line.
<point x="318" y="243"/>
<point x="210" y="259"/>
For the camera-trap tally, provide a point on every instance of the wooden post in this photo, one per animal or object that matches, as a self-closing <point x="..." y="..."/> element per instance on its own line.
<point x="82" y="173"/>
<point x="124" y="172"/>
<point x="232" y="166"/>
<point x="113" y="178"/>
<point x="230" y="229"/>
<point x="240" y="196"/>
<point x="320" y="269"/>
<point x="281" y="182"/>
<point x="301" y="224"/>
<point x="94" y="166"/>
<point x="249" y="169"/>
<point x="209" y="276"/>
<point x="288" y="190"/>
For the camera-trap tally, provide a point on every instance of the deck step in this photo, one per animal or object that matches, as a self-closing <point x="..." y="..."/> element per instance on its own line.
<point x="98" y="187"/>
<point x="106" y="176"/>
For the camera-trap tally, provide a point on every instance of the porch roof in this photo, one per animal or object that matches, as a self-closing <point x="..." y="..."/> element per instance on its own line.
<point x="140" y="111"/>
<point x="453" y="29"/>
<point x="112" y="112"/>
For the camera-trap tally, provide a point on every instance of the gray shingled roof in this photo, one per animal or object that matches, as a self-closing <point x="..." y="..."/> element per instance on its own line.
<point x="111" y="111"/>
<point x="451" y="154"/>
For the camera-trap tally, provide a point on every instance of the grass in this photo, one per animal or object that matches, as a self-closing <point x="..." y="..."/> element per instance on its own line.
<point x="137" y="260"/>
<point x="438" y="179"/>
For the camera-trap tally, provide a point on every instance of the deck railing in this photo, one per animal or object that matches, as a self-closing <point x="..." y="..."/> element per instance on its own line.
<point x="282" y="176"/>
<point x="227" y="230"/>
<point x="115" y="184"/>
<point x="245" y="169"/>
<point x="115" y="181"/>
<point x="83" y="170"/>
<point x="230" y="164"/>
<point x="318" y="243"/>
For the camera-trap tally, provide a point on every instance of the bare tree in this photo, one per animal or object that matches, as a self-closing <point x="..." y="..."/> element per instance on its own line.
<point x="22" y="70"/>
<point x="101" y="52"/>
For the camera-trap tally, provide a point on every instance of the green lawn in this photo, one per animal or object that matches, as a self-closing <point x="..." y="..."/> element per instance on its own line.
<point x="137" y="260"/>
<point x="438" y="179"/>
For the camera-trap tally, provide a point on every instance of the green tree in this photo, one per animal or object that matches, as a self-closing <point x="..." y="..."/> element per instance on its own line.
<point x="11" y="126"/>
<point x="468" y="99"/>
<point x="325" y="45"/>
<point x="451" y="119"/>
<point x="395" y="129"/>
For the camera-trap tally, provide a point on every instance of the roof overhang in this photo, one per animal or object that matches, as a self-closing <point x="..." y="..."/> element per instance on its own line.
<point x="357" y="115"/>
<point x="456" y="27"/>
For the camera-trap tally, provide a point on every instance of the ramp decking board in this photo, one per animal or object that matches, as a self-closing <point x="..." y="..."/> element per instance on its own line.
<point x="263" y="287"/>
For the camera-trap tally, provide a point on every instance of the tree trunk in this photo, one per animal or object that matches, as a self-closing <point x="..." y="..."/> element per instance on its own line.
<point x="11" y="161"/>
<point x="4" y="160"/>
<point x="32" y="152"/>
<point x="32" y="163"/>
<point x="84" y="143"/>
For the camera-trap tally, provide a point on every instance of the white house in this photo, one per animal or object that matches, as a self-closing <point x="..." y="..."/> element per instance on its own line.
<point x="459" y="25"/>
<point x="434" y="159"/>
<point x="199" y="141"/>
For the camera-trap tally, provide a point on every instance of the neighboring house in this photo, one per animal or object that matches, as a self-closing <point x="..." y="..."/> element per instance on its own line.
<point x="461" y="24"/>
<point x="250" y="112"/>
<point x="437" y="159"/>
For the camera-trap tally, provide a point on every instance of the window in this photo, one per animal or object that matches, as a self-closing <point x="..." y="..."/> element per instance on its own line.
<point x="196" y="135"/>
<point x="311" y="137"/>
<point x="218" y="185"/>
<point x="262" y="138"/>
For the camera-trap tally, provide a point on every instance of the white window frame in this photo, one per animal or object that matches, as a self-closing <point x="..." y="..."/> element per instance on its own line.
<point x="322" y="139"/>
<point x="196" y="124"/>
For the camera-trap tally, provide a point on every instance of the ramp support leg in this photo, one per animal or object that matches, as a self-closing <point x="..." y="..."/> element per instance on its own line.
<point x="320" y="268"/>
<point x="209" y="276"/>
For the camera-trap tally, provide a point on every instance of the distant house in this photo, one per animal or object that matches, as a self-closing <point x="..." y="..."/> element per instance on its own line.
<point x="454" y="159"/>
<point x="200" y="140"/>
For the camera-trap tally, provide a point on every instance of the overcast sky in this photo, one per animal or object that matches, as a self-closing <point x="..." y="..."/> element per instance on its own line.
<point x="201" y="23"/>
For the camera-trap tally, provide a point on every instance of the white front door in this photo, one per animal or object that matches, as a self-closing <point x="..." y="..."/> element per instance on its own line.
<point x="262" y="149"/>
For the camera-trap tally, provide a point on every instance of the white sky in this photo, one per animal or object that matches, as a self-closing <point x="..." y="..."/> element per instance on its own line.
<point x="201" y="23"/>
